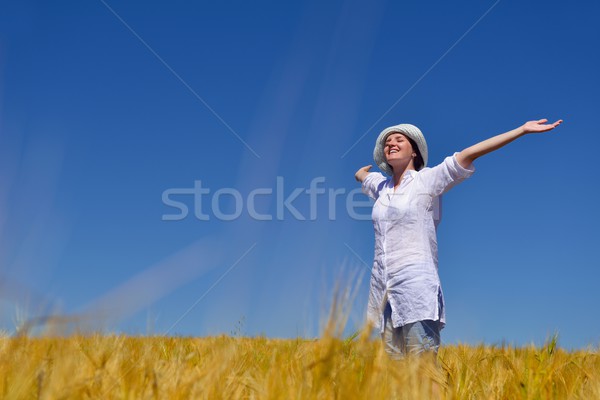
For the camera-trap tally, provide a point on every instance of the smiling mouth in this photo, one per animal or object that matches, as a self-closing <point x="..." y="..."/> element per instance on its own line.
<point x="393" y="151"/>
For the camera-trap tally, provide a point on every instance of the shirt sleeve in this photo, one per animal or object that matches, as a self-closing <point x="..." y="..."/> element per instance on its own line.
<point x="372" y="184"/>
<point x="443" y="177"/>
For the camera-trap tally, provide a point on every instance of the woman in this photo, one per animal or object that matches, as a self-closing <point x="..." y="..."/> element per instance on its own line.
<point x="406" y="302"/>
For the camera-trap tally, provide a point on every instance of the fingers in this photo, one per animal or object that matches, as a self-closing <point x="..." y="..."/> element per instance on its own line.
<point x="551" y="126"/>
<point x="544" y="120"/>
<point x="367" y="168"/>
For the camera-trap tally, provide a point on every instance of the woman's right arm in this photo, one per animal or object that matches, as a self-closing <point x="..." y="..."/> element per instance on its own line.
<point x="362" y="173"/>
<point x="371" y="182"/>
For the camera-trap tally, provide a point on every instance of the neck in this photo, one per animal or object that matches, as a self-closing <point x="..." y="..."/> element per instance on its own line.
<point x="400" y="170"/>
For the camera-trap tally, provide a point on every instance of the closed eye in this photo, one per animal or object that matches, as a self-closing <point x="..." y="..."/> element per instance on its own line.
<point x="398" y="139"/>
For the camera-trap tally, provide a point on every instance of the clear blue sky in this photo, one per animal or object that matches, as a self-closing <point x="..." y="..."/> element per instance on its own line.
<point x="104" y="106"/>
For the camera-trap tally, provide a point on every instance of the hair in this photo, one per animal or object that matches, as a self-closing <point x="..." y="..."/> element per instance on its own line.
<point x="418" y="160"/>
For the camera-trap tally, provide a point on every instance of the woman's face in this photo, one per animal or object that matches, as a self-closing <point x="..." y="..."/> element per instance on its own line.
<point x="397" y="148"/>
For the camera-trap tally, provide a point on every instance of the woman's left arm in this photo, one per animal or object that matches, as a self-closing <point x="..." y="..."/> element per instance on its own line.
<point x="470" y="154"/>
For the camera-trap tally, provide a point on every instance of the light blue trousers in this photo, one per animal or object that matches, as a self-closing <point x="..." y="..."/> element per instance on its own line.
<point x="414" y="338"/>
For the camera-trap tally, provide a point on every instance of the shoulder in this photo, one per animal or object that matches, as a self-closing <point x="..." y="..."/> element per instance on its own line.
<point x="440" y="178"/>
<point x="450" y="166"/>
<point x="373" y="184"/>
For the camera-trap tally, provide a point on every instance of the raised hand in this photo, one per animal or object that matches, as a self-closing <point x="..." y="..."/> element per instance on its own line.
<point x="362" y="173"/>
<point x="539" y="126"/>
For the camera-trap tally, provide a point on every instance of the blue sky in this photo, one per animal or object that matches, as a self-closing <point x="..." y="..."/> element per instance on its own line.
<point x="104" y="106"/>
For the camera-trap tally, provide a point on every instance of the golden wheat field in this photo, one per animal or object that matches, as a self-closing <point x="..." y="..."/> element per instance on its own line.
<point x="229" y="367"/>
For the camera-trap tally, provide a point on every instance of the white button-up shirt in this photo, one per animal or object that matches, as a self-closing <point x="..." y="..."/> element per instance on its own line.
<point x="405" y="269"/>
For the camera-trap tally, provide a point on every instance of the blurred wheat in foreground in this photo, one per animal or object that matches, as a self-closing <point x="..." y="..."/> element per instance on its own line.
<point x="121" y="367"/>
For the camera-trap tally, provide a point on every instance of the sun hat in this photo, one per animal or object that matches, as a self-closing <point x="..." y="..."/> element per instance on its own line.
<point x="407" y="130"/>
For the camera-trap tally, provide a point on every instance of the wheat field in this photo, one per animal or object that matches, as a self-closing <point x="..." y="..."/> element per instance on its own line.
<point x="230" y="367"/>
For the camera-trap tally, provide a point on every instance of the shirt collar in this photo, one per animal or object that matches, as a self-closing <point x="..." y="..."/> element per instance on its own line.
<point x="408" y="176"/>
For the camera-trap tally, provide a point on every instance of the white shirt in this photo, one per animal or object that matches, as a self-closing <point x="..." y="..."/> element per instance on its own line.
<point x="405" y="268"/>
